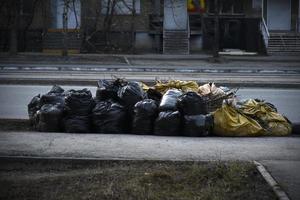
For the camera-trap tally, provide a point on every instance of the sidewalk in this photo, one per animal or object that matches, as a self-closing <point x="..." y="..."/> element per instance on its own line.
<point x="236" y="71"/>
<point x="280" y="155"/>
<point x="23" y="56"/>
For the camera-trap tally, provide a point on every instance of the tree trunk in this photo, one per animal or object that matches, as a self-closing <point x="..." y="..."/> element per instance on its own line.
<point x="133" y="27"/>
<point x="156" y="13"/>
<point x="65" y="28"/>
<point x="13" y="47"/>
<point x="216" y="30"/>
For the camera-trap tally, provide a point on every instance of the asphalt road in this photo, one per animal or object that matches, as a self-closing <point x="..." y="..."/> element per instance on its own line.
<point x="14" y="99"/>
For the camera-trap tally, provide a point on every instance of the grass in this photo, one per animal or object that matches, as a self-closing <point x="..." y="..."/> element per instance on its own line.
<point x="15" y="125"/>
<point x="50" y="179"/>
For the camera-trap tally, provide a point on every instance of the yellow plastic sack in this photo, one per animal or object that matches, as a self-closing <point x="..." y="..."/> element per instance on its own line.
<point x="185" y="86"/>
<point x="274" y="123"/>
<point x="228" y="121"/>
<point x="144" y="86"/>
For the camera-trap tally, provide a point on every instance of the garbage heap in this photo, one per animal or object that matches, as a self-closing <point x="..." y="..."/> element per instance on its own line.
<point x="173" y="108"/>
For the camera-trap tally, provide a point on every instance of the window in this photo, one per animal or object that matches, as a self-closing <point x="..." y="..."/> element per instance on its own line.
<point x="120" y="7"/>
<point x="74" y="13"/>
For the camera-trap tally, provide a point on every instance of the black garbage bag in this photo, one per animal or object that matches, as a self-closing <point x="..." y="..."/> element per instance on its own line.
<point x="53" y="98"/>
<point x="130" y="94"/>
<point x="197" y="125"/>
<point x="168" y="123"/>
<point x="108" y="117"/>
<point x="78" y="110"/>
<point x="33" y="107"/>
<point x="77" y="124"/>
<point x="155" y="95"/>
<point x="79" y="102"/>
<point x="191" y="103"/>
<point x="56" y="96"/>
<point x="49" y="118"/>
<point x="56" y="89"/>
<point x="169" y="100"/>
<point x="108" y="89"/>
<point x="145" y="112"/>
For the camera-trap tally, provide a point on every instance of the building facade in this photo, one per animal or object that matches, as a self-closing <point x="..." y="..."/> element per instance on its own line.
<point x="152" y="26"/>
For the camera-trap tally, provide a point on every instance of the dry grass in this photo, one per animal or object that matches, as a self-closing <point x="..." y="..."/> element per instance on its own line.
<point x="131" y="180"/>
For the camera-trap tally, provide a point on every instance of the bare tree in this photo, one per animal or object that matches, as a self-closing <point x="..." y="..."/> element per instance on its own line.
<point x="14" y="13"/>
<point x="104" y="27"/>
<point x="216" y="31"/>
<point x="67" y="4"/>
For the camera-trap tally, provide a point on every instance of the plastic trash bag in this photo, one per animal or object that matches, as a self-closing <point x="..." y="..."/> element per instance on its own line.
<point x="56" y="89"/>
<point x="49" y="118"/>
<point x="155" y="95"/>
<point x="191" y="103"/>
<point x="229" y="121"/>
<point x="131" y="93"/>
<point x="169" y="100"/>
<point x="52" y="98"/>
<point x="77" y="124"/>
<point x="197" y="125"/>
<point x="266" y="114"/>
<point x="32" y="108"/>
<point x="56" y="96"/>
<point x="77" y="112"/>
<point x="168" y="123"/>
<point x="108" y="89"/>
<point x="79" y="102"/>
<point x="185" y="86"/>
<point x="145" y="113"/>
<point x="210" y="89"/>
<point x="108" y="117"/>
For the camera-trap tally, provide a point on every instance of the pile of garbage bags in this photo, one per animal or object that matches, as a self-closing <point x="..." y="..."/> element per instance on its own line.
<point x="252" y="117"/>
<point x="173" y="108"/>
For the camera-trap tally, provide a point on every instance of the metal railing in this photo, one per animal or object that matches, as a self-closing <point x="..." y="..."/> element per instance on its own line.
<point x="265" y="32"/>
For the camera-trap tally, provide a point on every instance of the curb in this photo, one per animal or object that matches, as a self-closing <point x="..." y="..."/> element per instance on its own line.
<point x="271" y="181"/>
<point x="20" y="123"/>
<point x="92" y="82"/>
<point x="28" y="67"/>
<point x="228" y="59"/>
<point x="124" y="58"/>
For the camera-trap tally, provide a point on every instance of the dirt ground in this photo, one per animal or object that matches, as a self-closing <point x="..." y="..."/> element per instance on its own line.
<point x="77" y="179"/>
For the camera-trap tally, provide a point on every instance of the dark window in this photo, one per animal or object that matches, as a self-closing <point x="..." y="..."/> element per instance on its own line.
<point x="227" y="6"/>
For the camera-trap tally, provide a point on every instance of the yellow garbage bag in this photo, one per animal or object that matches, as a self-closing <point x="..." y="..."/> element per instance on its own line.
<point x="185" y="86"/>
<point x="274" y="123"/>
<point x="144" y="86"/>
<point x="228" y="121"/>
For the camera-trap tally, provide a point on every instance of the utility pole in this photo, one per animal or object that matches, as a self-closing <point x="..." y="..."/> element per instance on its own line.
<point x="216" y="31"/>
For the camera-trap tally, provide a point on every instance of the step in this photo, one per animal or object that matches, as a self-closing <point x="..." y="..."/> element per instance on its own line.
<point x="284" y="50"/>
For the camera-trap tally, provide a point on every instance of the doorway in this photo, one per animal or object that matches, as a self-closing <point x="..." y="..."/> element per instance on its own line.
<point x="279" y="15"/>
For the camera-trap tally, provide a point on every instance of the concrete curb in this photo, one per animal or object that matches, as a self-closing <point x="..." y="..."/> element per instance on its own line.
<point x="25" y="122"/>
<point x="93" y="82"/>
<point x="158" y="57"/>
<point x="119" y="68"/>
<point x="271" y="181"/>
